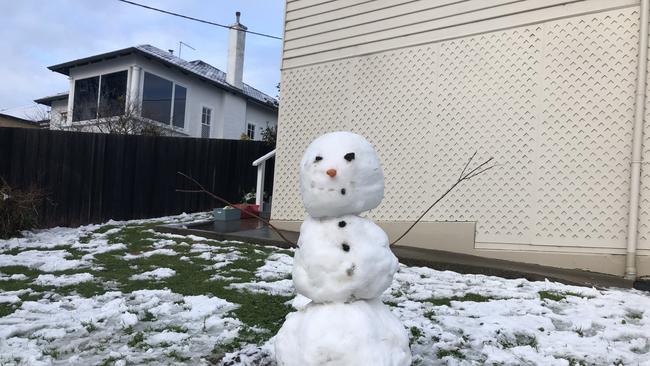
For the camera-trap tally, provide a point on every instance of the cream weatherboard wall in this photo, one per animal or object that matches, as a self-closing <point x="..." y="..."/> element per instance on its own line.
<point x="545" y="87"/>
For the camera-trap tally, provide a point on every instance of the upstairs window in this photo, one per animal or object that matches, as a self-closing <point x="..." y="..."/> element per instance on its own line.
<point x="112" y="94"/>
<point x="99" y="96"/>
<point x="180" y="95"/>
<point x="250" y="131"/>
<point x="163" y="101"/>
<point x="206" y="118"/>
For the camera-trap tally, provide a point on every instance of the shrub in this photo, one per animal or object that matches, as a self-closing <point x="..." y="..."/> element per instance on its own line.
<point x="18" y="209"/>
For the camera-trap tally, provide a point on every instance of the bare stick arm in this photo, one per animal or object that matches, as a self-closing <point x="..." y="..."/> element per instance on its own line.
<point x="481" y="168"/>
<point x="222" y="200"/>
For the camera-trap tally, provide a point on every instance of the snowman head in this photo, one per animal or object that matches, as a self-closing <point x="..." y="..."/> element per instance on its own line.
<point x="340" y="174"/>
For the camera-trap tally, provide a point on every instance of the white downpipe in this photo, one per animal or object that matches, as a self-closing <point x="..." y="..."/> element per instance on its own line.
<point x="261" y="169"/>
<point x="637" y="144"/>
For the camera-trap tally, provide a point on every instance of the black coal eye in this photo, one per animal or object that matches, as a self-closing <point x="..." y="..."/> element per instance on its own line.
<point x="342" y="223"/>
<point x="318" y="158"/>
<point x="345" y="247"/>
<point x="349" y="156"/>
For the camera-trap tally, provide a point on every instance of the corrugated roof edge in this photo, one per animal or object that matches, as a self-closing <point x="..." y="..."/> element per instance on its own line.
<point x="170" y="60"/>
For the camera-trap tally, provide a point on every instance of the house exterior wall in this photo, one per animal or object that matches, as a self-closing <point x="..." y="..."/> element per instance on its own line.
<point x="229" y="110"/>
<point x="545" y="87"/>
<point x="261" y="117"/>
<point x="58" y="113"/>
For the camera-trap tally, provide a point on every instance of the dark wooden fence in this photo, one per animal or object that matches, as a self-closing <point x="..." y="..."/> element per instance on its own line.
<point x="91" y="178"/>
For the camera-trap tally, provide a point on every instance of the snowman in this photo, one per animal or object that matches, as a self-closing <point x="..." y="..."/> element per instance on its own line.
<point x="343" y="263"/>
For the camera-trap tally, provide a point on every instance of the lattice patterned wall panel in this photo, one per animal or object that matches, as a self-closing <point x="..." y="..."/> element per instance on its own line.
<point x="586" y="129"/>
<point x="486" y="103"/>
<point x="314" y="101"/>
<point x="552" y="102"/>
<point x="644" y="214"/>
<point x="393" y="104"/>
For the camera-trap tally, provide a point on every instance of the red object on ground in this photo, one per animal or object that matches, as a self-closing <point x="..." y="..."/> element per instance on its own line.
<point x="246" y="210"/>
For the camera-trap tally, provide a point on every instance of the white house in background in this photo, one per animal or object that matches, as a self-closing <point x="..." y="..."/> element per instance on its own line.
<point x="188" y="98"/>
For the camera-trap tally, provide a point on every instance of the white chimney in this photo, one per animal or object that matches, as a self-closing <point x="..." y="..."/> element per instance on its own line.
<point x="237" y="40"/>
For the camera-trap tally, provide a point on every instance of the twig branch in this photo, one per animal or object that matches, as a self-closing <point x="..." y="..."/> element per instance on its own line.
<point x="481" y="168"/>
<point x="203" y="190"/>
<point x="467" y="164"/>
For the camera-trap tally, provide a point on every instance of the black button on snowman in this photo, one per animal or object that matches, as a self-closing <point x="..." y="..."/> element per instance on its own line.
<point x="343" y="263"/>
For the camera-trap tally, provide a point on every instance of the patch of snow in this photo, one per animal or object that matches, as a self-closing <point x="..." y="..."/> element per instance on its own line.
<point x="201" y="306"/>
<point x="63" y="280"/>
<point x="13" y="277"/>
<point x="277" y="266"/>
<point x="218" y="277"/>
<point x="156" y="274"/>
<point x="97" y="246"/>
<point x="9" y="298"/>
<point x="166" y="337"/>
<point x="168" y="252"/>
<point x="161" y="243"/>
<point x="299" y="302"/>
<point x="50" y="333"/>
<point x="46" y="239"/>
<point x="63" y="324"/>
<point x="42" y="260"/>
<point x="129" y="319"/>
<point x="276" y="288"/>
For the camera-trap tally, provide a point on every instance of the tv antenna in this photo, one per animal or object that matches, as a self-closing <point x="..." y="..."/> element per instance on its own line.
<point x="180" y="47"/>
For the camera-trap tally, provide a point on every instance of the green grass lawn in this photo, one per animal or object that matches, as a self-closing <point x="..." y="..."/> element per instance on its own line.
<point x="124" y="294"/>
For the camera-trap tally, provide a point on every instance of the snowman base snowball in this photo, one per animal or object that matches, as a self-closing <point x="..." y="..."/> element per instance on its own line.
<point x="361" y="333"/>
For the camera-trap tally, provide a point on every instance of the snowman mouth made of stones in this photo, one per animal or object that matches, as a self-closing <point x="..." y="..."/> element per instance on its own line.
<point x="343" y="263"/>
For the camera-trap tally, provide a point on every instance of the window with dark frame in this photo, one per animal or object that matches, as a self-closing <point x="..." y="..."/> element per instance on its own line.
<point x="163" y="100"/>
<point x="85" y="100"/>
<point x="250" y="131"/>
<point x="206" y="117"/>
<point x="112" y="94"/>
<point x="180" y="96"/>
<point x="157" y="98"/>
<point x="99" y="96"/>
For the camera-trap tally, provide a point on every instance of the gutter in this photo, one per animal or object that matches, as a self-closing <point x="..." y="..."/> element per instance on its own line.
<point x="637" y="144"/>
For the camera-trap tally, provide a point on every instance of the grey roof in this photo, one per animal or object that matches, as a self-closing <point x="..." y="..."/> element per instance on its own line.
<point x="197" y="68"/>
<point x="50" y="98"/>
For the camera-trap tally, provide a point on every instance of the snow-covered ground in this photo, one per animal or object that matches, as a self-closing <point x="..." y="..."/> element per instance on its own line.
<point x="122" y="294"/>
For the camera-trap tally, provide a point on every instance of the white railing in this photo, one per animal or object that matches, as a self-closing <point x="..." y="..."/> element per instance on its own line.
<point x="261" y="169"/>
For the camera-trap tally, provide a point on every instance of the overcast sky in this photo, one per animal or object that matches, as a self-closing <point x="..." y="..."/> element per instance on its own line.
<point x="36" y="34"/>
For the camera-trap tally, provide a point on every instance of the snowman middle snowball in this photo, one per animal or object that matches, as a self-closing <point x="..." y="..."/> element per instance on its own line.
<point x="342" y="259"/>
<point x="340" y="174"/>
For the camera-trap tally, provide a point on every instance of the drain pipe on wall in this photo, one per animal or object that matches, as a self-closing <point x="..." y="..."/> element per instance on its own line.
<point x="637" y="144"/>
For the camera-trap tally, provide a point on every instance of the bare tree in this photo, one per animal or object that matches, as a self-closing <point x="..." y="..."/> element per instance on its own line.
<point x="116" y="121"/>
<point x="39" y="115"/>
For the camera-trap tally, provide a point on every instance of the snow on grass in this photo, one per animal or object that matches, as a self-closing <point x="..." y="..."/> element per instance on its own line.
<point x="168" y="252"/>
<point x="156" y="274"/>
<point x="42" y="260"/>
<point x="63" y="280"/>
<point x="10" y="297"/>
<point x="68" y="296"/>
<point x="276" y="288"/>
<point x="277" y="266"/>
<point x="483" y="319"/>
<point x="13" y="277"/>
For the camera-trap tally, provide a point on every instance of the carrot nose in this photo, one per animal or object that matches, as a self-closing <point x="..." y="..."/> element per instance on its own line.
<point x="331" y="172"/>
